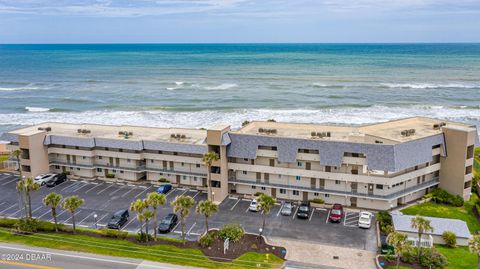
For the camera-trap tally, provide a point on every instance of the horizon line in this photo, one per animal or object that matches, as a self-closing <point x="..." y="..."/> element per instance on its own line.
<point x="246" y="43"/>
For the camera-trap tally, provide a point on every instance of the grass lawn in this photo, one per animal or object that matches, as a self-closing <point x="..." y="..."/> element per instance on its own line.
<point x="158" y="253"/>
<point x="430" y="209"/>
<point x="459" y="257"/>
<point x="476" y="162"/>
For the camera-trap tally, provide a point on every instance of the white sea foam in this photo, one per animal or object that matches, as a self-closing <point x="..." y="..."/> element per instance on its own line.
<point x="179" y="82"/>
<point x="8" y="89"/>
<point x="36" y="109"/>
<point x="224" y="86"/>
<point x="206" y="118"/>
<point x="429" y="85"/>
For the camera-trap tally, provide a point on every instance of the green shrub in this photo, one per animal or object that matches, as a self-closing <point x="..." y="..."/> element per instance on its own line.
<point x="207" y="239"/>
<point x="67" y="173"/>
<point x="317" y="201"/>
<point x="385" y="220"/>
<point x="234" y="232"/>
<point x="142" y="237"/>
<point x="8" y="223"/>
<point x="433" y="259"/>
<point x="114" y="233"/>
<point x="164" y="180"/>
<point x="26" y="225"/>
<point x="258" y="193"/>
<point x="450" y="239"/>
<point x="441" y="196"/>
<point x="409" y="255"/>
<point x="109" y="175"/>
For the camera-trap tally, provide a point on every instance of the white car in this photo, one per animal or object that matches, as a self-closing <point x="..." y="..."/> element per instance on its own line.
<point x="254" y="206"/>
<point x="42" y="179"/>
<point x="365" y="219"/>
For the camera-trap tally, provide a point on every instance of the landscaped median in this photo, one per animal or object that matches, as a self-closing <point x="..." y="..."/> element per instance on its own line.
<point x="164" y="250"/>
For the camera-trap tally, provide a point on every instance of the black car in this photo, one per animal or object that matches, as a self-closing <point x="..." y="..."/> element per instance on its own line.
<point x="168" y="223"/>
<point x="118" y="219"/>
<point x="60" y="178"/>
<point x="303" y="211"/>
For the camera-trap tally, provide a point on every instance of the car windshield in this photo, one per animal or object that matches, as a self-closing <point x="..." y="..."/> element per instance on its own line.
<point x="287" y="206"/>
<point x="336" y="212"/>
<point x="253" y="203"/>
<point x="303" y="208"/>
<point x="364" y="219"/>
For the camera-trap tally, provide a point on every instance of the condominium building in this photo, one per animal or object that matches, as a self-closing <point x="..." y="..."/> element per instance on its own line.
<point x="376" y="166"/>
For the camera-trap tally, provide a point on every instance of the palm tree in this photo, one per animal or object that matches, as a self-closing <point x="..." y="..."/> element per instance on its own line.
<point x="53" y="201"/>
<point x="266" y="203"/>
<point x="207" y="208"/>
<point x="146" y="216"/>
<point x="16" y="153"/>
<point x="208" y="159"/>
<point x="138" y="206"/>
<point x="474" y="246"/>
<point x="182" y="205"/>
<point x="423" y="226"/>
<point x="25" y="186"/>
<point x="400" y="243"/>
<point x="155" y="199"/>
<point x="71" y="204"/>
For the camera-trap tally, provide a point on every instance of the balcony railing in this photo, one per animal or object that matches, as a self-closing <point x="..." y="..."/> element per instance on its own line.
<point x="389" y="196"/>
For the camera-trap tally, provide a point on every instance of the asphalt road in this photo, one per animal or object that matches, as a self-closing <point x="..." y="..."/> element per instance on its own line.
<point x="14" y="256"/>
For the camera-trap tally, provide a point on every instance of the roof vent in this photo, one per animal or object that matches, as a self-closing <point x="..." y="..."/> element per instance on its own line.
<point x="267" y="131"/>
<point x="437" y="126"/>
<point x="321" y="134"/>
<point x="83" y="131"/>
<point x="178" y="136"/>
<point x="408" y="132"/>
<point x="47" y="129"/>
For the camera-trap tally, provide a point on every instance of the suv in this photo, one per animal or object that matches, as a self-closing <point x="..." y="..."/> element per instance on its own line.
<point x="43" y="178"/>
<point x="57" y="179"/>
<point x="336" y="213"/>
<point x="118" y="219"/>
<point x="303" y="211"/>
<point x="168" y="223"/>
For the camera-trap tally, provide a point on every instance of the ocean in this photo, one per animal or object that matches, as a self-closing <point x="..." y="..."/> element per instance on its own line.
<point x="198" y="85"/>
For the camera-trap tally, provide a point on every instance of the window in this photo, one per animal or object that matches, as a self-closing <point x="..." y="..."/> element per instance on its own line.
<point x="283" y="191"/>
<point x="337" y="182"/>
<point x="379" y="187"/>
<point x="71" y="168"/>
<point x="114" y="171"/>
<point x="99" y="170"/>
<point x="99" y="157"/>
<point x="467" y="184"/>
<point x="184" y="177"/>
<point x="78" y="169"/>
<point x="128" y="160"/>
<point x="299" y="164"/>
<point x="295" y="192"/>
<point x="244" y="172"/>
<point x="279" y="176"/>
<point x="121" y="171"/>
<point x="328" y="169"/>
<point x="216" y="184"/>
<point x="315" y="194"/>
<point x="57" y="166"/>
<point x="245" y="159"/>
<point x="263" y="188"/>
<point x="470" y="151"/>
<point x="468" y="170"/>
<point x="194" y="178"/>
<point x="197" y="165"/>
<point x="151" y="161"/>
<point x="298" y="178"/>
<point x="83" y="157"/>
<point x="183" y="164"/>
<point x="254" y="187"/>
<point x="327" y="195"/>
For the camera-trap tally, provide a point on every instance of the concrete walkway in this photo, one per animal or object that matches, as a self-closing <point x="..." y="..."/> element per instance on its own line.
<point x="323" y="255"/>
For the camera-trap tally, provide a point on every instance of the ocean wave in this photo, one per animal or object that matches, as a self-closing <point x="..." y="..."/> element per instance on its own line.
<point x="223" y="86"/>
<point x="24" y="88"/>
<point x="324" y="85"/>
<point x="429" y="85"/>
<point x="36" y="109"/>
<point x="206" y="118"/>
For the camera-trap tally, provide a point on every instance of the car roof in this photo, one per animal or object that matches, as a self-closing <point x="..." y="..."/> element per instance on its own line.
<point x="119" y="212"/>
<point x="170" y="215"/>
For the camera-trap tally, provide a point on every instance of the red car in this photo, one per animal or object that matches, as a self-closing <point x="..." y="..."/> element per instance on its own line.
<point x="336" y="213"/>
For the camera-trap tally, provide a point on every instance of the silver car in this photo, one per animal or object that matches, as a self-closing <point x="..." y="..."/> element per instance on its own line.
<point x="42" y="179"/>
<point x="287" y="209"/>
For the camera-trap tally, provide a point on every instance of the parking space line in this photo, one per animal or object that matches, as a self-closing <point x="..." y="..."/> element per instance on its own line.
<point x="345" y="218"/>
<point x="311" y="215"/>
<point x="294" y="214"/>
<point x="58" y="215"/>
<point x="100" y="192"/>
<point x="9" y="182"/>
<point x="196" y="194"/>
<point x="123" y="195"/>
<point x="189" y="230"/>
<point x="128" y="223"/>
<point x="184" y="192"/>
<point x="73" y="215"/>
<point x="84" y="185"/>
<point x="94" y="187"/>
<point x="278" y="213"/>
<point x="248" y="208"/>
<point x="86" y="217"/>
<point x="48" y="211"/>
<point x="6" y="209"/>
<point x="115" y="191"/>
<point x="238" y="201"/>
<point x="328" y="216"/>
<point x="102" y="218"/>
<point x="36" y="209"/>
<point x="70" y="186"/>
<point x="142" y="192"/>
<point x="15" y="213"/>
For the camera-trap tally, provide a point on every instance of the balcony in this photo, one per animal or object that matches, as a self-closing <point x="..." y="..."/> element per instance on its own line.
<point x="387" y="197"/>
<point x="170" y="171"/>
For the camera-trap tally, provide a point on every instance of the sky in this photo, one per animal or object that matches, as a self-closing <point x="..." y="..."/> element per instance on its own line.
<point x="238" y="21"/>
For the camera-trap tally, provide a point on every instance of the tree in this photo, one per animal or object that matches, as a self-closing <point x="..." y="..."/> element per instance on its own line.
<point x="400" y="243"/>
<point x="474" y="246"/>
<point x="53" y="201"/>
<point x="71" y="204"/>
<point x="16" y="153"/>
<point x="266" y="203"/>
<point x="208" y="159"/>
<point x="138" y="206"/>
<point x="155" y="199"/>
<point x="26" y="186"/>
<point x="207" y="208"/>
<point x="182" y="205"/>
<point x="423" y="226"/>
<point x="146" y="216"/>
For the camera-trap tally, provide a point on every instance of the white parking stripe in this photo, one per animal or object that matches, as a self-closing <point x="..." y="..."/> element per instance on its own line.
<point x="58" y="215"/>
<point x="123" y="195"/>
<point x="70" y="186"/>
<point x="115" y="191"/>
<point x="294" y="214"/>
<point x="71" y="216"/>
<point x="94" y="187"/>
<point x="6" y="209"/>
<point x="83" y="186"/>
<point x="238" y="201"/>
<point x="278" y="213"/>
<point x="143" y="191"/>
<point x="48" y="211"/>
<point x="100" y="192"/>
<point x="345" y="218"/>
<point x="102" y="218"/>
<point x="36" y="209"/>
<point x="311" y="215"/>
<point x="328" y="216"/>
<point x="128" y="223"/>
<point x="9" y="182"/>
<point x="86" y="217"/>
<point x="189" y="230"/>
<point x="196" y="195"/>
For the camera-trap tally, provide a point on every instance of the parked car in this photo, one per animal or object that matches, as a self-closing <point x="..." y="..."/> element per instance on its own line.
<point x="287" y="209"/>
<point x="165" y="188"/>
<point x="386" y="248"/>
<point x="118" y="219"/>
<point x="303" y="211"/>
<point x="336" y="213"/>
<point x="57" y="179"/>
<point x="43" y="178"/>
<point x="168" y="223"/>
<point x="254" y="206"/>
<point x="365" y="219"/>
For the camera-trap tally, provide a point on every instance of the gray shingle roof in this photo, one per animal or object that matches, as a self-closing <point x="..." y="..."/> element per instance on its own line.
<point x="402" y="223"/>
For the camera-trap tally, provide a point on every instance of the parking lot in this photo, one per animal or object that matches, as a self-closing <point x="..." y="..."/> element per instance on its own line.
<point x="105" y="198"/>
